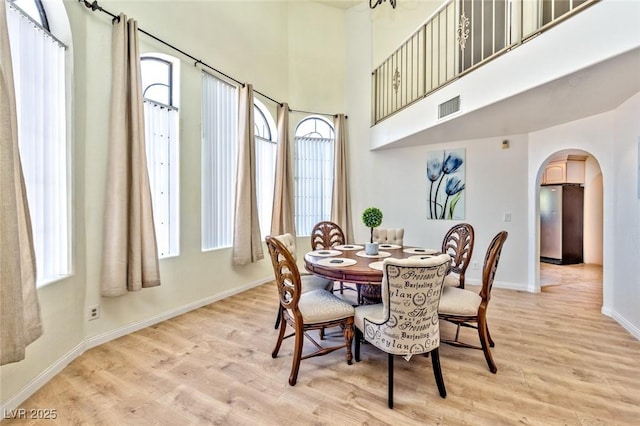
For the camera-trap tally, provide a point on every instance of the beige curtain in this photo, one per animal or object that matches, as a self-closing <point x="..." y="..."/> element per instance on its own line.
<point x="247" y="245"/>
<point x="20" y="322"/>
<point x="340" y="202"/>
<point x="283" y="219"/>
<point x="130" y="255"/>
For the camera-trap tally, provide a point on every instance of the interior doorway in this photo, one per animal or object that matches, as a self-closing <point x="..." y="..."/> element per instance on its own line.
<point x="558" y="171"/>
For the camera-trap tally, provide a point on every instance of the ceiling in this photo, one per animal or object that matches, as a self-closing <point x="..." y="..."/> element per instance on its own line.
<point x="590" y="91"/>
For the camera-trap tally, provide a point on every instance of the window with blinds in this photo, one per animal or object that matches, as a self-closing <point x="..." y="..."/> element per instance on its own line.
<point x="39" y="76"/>
<point x="313" y="178"/>
<point x="219" y="147"/>
<point x="161" y="118"/>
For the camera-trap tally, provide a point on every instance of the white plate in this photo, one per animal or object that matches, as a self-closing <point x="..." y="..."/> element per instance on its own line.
<point x="419" y="250"/>
<point x="337" y="262"/>
<point x="389" y="246"/>
<point x="421" y="256"/>
<point x="349" y="247"/>
<point x="376" y="265"/>
<point x="373" y="256"/>
<point x="325" y="253"/>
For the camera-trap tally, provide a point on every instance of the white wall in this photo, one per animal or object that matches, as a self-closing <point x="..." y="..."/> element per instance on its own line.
<point x="625" y="215"/>
<point x="593" y="222"/>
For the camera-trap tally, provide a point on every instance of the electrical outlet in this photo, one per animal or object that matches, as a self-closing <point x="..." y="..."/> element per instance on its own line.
<point x="475" y="265"/>
<point x="94" y="312"/>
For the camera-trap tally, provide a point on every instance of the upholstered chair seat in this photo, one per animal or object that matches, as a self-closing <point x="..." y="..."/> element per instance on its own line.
<point x="321" y="306"/>
<point x="452" y="280"/>
<point x="388" y="235"/>
<point x="457" y="301"/>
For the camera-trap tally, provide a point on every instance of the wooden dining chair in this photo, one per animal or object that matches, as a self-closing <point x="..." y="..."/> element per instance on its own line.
<point x="388" y="235"/>
<point x="306" y="311"/>
<point x="326" y="235"/>
<point x="406" y="322"/>
<point x="309" y="281"/>
<point x="458" y="243"/>
<point x="469" y="309"/>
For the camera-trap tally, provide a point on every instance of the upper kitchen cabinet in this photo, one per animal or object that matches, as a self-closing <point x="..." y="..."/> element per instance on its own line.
<point x="569" y="169"/>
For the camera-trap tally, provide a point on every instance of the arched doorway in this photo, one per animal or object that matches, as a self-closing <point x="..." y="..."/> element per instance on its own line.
<point x="565" y="171"/>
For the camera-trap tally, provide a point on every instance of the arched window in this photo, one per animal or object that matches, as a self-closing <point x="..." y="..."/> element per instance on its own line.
<point x="160" y="78"/>
<point x="39" y="72"/>
<point x="266" y="148"/>
<point x="313" y="163"/>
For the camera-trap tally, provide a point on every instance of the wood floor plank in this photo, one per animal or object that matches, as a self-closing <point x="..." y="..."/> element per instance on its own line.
<point x="560" y="362"/>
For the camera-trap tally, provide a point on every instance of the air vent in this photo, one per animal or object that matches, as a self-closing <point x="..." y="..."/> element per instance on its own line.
<point x="449" y="107"/>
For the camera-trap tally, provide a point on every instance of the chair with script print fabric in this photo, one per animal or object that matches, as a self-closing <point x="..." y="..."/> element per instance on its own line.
<point x="406" y="322"/>
<point x="309" y="282"/>
<point x="306" y="311"/>
<point x="469" y="309"/>
<point x="458" y="243"/>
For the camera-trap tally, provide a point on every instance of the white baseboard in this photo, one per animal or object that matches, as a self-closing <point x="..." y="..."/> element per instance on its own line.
<point x="501" y="284"/>
<point x="41" y="379"/>
<point x="14" y="401"/>
<point x="635" y="331"/>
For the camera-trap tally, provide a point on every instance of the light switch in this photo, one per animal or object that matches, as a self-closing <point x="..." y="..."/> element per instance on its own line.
<point x="507" y="217"/>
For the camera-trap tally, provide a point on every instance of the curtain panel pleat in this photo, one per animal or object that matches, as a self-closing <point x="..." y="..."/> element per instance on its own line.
<point x="130" y="254"/>
<point x="341" y="203"/>
<point x="247" y="244"/>
<point x="283" y="218"/>
<point x="20" y="321"/>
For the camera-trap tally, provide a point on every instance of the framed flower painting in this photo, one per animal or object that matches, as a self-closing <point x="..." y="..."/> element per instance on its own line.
<point x="446" y="182"/>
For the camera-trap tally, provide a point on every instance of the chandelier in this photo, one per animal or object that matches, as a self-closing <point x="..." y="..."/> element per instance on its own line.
<point x="374" y="3"/>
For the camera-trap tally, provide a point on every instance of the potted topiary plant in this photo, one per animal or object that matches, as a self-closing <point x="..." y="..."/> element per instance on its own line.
<point x="372" y="218"/>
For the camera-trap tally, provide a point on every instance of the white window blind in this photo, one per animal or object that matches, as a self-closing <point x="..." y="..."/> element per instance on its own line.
<point x="39" y="74"/>
<point x="219" y="150"/>
<point x="313" y="161"/>
<point x="161" y="140"/>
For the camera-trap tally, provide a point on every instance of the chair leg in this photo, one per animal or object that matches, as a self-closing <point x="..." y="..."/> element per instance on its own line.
<point x="278" y="318"/>
<point x="437" y="371"/>
<point x="283" y="326"/>
<point x="491" y="342"/>
<point x="348" y="338"/>
<point x="297" y="355"/>
<point x="483" y="332"/>
<point x="357" y="344"/>
<point x="390" y="385"/>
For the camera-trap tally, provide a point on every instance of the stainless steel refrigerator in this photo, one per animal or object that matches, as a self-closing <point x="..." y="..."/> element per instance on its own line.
<point x="561" y="224"/>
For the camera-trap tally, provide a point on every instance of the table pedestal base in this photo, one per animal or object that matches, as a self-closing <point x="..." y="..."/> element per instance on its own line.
<point x="370" y="294"/>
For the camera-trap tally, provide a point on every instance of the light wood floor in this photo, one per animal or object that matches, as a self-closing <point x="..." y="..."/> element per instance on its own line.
<point x="560" y="362"/>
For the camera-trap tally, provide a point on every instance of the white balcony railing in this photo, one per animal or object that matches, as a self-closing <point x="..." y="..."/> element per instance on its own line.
<point x="461" y="36"/>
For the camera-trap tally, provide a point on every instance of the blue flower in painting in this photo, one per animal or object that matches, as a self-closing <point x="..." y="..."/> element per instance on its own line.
<point x="434" y="169"/>
<point x="451" y="164"/>
<point x="454" y="185"/>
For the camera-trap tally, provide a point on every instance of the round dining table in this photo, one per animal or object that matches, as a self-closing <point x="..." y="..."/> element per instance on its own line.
<point x="349" y="263"/>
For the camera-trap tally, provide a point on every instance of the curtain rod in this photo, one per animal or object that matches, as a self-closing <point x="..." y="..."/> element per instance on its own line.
<point x="95" y="6"/>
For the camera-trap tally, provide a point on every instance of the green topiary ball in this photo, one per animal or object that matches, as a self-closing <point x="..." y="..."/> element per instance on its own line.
<point x="372" y="217"/>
